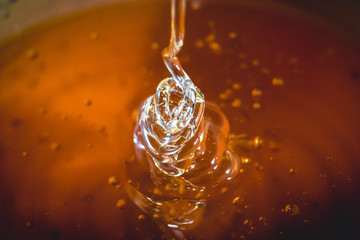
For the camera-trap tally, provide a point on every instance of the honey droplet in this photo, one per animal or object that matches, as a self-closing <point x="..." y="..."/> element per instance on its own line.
<point x="121" y="203"/>
<point x="156" y="216"/>
<point x="141" y="217"/>
<point x="292" y="209"/>
<point x="113" y="180"/>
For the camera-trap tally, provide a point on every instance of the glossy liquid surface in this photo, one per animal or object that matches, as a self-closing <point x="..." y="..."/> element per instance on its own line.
<point x="289" y="90"/>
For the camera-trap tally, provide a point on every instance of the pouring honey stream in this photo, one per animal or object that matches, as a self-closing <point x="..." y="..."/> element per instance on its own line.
<point x="280" y="96"/>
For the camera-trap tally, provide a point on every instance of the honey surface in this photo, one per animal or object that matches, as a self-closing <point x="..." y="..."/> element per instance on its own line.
<point x="68" y="94"/>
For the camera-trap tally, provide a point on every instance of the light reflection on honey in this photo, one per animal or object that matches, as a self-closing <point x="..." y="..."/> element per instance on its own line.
<point x="69" y="89"/>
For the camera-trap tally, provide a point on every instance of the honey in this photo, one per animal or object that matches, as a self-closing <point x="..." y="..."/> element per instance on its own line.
<point x="288" y="88"/>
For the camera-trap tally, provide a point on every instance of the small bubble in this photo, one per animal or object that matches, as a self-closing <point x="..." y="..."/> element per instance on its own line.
<point x="29" y="224"/>
<point x="156" y="216"/>
<point x="292" y="170"/>
<point x="211" y="23"/>
<point x="236" y="103"/>
<point x="237" y="201"/>
<point x="121" y="203"/>
<point x="307" y="221"/>
<point x="154" y="45"/>
<point x="89" y="145"/>
<point x="236" y="86"/>
<point x="141" y="217"/>
<point x="292" y="209"/>
<point x="32" y="54"/>
<point x="348" y="178"/>
<point x="245" y="160"/>
<point x="94" y="36"/>
<point x="330" y="158"/>
<point x="243" y="65"/>
<point x="156" y="191"/>
<point x="260" y="168"/>
<point x="265" y="70"/>
<point x="322" y="176"/>
<point x="195" y="4"/>
<point x="255" y="62"/>
<point x="274" y="146"/>
<point x="54" y="146"/>
<point x="263" y="220"/>
<point x="232" y="35"/>
<point x="199" y="43"/>
<point x="242" y="55"/>
<point x="210" y="38"/>
<point x="257" y="142"/>
<point x="248" y="222"/>
<point x="215" y="46"/>
<point x="87" y="102"/>
<point x="242" y="237"/>
<point x="113" y="180"/>
<point x="25" y="154"/>
<point x="228" y="91"/>
<point x="223" y="190"/>
<point x="4" y="12"/>
<point x="223" y="96"/>
<point x="64" y="118"/>
<point x="330" y="52"/>
<point x="256" y="92"/>
<point x="200" y="194"/>
<point x="181" y="188"/>
<point x="293" y="60"/>
<point x="276" y="81"/>
<point x="256" y="105"/>
<point x="42" y="110"/>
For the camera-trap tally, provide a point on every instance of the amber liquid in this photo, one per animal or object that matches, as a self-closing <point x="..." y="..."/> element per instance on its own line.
<point x="289" y="89"/>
